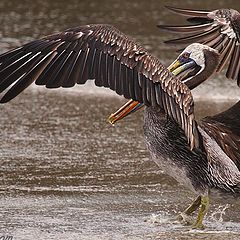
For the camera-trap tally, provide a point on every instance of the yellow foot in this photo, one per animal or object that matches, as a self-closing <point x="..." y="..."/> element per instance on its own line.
<point x="185" y="219"/>
<point x="199" y="226"/>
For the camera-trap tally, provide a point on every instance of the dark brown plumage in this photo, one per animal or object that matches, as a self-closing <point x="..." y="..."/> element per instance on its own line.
<point x="219" y="29"/>
<point x="224" y="128"/>
<point x="103" y="53"/>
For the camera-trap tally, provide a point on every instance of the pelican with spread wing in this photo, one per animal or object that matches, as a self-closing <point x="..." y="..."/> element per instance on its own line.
<point x="202" y="156"/>
<point x="219" y="29"/>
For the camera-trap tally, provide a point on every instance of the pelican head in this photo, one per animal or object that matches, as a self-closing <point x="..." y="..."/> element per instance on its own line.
<point x="195" y="64"/>
<point x="227" y="18"/>
<point x="223" y="16"/>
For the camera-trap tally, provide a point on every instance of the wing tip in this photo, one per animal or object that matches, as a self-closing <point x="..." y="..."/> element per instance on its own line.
<point x="164" y="27"/>
<point x="171" y="8"/>
<point x="187" y="11"/>
<point x="5" y="99"/>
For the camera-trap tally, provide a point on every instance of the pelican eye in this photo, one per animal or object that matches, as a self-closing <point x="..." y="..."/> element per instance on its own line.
<point x="184" y="56"/>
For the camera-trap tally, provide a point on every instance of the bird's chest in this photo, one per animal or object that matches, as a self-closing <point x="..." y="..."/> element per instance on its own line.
<point x="163" y="136"/>
<point x="167" y="145"/>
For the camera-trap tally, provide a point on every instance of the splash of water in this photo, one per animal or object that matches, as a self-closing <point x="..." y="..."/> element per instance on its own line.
<point x="158" y="219"/>
<point x="218" y="214"/>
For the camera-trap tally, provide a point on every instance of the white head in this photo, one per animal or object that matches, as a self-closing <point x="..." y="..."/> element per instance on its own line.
<point x="195" y="64"/>
<point x="196" y="53"/>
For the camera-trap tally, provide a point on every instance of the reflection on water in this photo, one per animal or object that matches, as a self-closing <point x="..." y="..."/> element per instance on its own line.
<point x="65" y="172"/>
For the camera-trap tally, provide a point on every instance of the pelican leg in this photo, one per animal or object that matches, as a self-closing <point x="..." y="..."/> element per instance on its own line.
<point x="201" y="213"/>
<point x="184" y="216"/>
<point x="193" y="207"/>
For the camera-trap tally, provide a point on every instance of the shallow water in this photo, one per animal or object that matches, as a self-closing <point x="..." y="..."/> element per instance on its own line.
<point x="65" y="172"/>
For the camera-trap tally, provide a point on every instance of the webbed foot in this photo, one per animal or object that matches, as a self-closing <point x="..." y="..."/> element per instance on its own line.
<point x="185" y="219"/>
<point x="198" y="226"/>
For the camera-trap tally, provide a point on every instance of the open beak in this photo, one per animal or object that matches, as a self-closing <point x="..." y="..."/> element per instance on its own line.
<point x="183" y="69"/>
<point x="174" y="65"/>
<point x="179" y="68"/>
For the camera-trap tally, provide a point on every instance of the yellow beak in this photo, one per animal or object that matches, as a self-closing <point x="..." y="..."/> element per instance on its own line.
<point x="174" y="66"/>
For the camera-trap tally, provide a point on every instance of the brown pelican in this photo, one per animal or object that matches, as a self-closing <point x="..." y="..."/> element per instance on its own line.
<point x="219" y="29"/>
<point x="203" y="156"/>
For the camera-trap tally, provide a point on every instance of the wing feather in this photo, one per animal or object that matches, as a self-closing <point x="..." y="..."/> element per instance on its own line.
<point x="103" y="53"/>
<point x="219" y="29"/>
<point x="224" y="128"/>
<point x="189" y="12"/>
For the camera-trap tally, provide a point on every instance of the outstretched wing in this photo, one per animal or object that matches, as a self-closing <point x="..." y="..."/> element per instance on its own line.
<point x="103" y="53"/>
<point x="219" y="29"/>
<point x="224" y="128"/>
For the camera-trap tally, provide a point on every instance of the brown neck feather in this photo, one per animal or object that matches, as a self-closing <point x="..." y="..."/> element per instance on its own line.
<point x="211" y="63"/>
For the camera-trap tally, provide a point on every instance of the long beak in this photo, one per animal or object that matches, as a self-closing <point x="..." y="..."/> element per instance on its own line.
<point x="177" y="68"/>
<point x="128" y="108"/>
<point x="181" y="68"/>
<point x="174" y="65"/>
